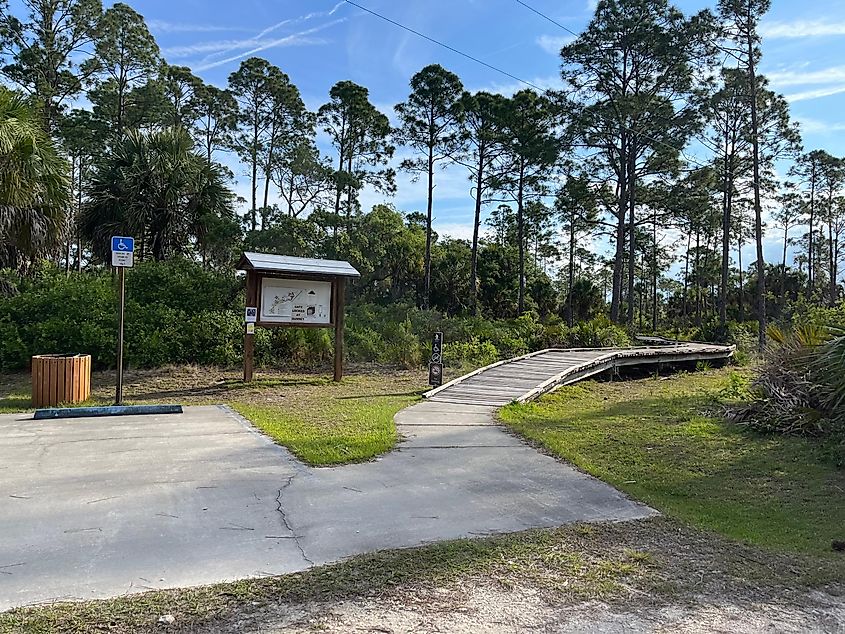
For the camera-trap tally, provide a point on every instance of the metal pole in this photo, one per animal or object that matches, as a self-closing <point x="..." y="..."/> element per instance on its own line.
<point x="118" y="397"/>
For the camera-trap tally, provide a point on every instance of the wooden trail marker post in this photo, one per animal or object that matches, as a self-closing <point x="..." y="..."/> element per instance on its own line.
<point x="289" y="292"/>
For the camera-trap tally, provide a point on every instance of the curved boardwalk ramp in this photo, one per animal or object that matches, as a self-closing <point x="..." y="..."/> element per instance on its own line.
<point x="527" y="377"/>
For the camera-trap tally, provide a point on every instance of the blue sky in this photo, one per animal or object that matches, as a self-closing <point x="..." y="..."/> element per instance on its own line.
<point x="319" y="42"/>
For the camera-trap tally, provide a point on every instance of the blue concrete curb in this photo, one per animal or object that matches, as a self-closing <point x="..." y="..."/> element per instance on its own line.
<point x="110" y="410"/>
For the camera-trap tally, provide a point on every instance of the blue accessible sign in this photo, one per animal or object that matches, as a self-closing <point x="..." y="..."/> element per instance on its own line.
<point x="122" y="251"/>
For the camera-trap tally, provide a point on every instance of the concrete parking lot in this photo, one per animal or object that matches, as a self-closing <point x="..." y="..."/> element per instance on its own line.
<point x="99" y="507"/>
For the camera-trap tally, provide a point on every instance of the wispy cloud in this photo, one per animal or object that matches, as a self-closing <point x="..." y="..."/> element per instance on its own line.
<point x="219" y="46"/>
<point x="190" y="50"/>
<point x="801" y="28"/>
<point x="819" y="83"/>
<point x="553" y="82"/>
<point x="817" y="93"/>
<point x="816" y="126"/>
<point x="295" y="39"/>
<point x="163" y="26"/>
<point x="832" y="75"/>
<point x="222" y="52"/>
<point x="553" y="43"/>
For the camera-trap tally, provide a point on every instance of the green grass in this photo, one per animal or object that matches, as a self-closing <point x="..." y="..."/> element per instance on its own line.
<point x="651" y="439"/>
<point x="331" y="431"/>
<point x="15" y="403"/>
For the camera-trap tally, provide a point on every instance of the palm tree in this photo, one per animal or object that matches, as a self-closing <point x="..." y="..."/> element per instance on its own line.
<point x="156" y="188"/>
<point x="34" y="184"/>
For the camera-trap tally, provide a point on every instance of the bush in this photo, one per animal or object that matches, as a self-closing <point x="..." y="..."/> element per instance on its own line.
<point x="801" y="386"/>
<point x="177" y="312"/>
<point x="473" y="352"/>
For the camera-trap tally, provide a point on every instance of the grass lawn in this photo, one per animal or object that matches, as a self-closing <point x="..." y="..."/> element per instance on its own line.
<point x="321" y="422"/>
<point x="653" y="440"/>
<point x="335" y="424"/>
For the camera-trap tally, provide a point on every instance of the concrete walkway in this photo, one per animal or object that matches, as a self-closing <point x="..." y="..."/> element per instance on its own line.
<point x="93" y="508"/>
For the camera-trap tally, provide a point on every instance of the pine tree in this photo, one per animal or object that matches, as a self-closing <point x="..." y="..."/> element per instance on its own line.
<point x="430" y="124"/>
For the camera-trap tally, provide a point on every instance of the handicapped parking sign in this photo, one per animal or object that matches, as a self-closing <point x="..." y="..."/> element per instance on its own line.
<point x="122" y="251"/>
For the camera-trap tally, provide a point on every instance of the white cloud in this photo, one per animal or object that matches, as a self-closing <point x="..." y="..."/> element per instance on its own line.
<point x="552" y="82"/>
<point x="164" y="26"/>
<point x="459" y="230"/>
<point x="801" y="28"/>
<point x="818" y="93"/>
<point x="821" y="83"/>
<point x="815" y="126"/>
<point x="190" y="50"/>
<point x="553" y="43"/>
<point x="832" y="75"/>
<point x="296" y="39"/>
<point x="214" y="58"/>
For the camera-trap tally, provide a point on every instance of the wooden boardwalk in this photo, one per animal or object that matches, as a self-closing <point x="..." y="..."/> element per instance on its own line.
<point x="527" y="377"/>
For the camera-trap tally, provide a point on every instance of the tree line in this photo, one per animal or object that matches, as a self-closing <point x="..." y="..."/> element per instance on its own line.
<point x="634" y="190"/>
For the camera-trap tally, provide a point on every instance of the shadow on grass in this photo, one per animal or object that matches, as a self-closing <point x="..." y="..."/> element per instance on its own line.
<point x="14" y="404"/>
<point x="229" y="386"/>
<point x="362" y="397"/>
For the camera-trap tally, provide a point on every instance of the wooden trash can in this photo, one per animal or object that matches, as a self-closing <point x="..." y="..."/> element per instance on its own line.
<point x="59" y="379"/>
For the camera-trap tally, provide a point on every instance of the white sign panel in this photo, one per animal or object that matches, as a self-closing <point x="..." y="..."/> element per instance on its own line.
<point x="125" y="260"/>
<point x="295" y="301"/>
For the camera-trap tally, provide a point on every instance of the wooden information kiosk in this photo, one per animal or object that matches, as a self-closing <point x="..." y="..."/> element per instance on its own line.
<point x="288" y="292"/>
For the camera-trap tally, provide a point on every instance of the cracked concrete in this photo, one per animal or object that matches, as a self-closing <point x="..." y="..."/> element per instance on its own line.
<point x="93" y="508"/>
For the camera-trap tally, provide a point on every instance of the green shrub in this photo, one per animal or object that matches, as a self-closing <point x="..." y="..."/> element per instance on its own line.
<point x="403" y="346"/>
<point x="800" y="389"/>
<point x="177" y="312"/>
<point x="13" y="352"/>
<point x="364" y="344"/>
<point x="473" y="352"/>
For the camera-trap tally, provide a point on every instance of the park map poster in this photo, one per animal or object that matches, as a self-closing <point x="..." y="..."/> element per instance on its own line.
<point x="296" y="301"/>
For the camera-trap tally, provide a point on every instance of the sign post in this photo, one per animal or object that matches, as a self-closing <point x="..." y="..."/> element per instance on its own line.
<point x="435" y="364"/>
<point x="122" y="258"/>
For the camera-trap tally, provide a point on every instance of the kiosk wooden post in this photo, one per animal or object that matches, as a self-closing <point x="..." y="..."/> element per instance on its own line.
<point x="289" y="292"/>
<point x="339" y="301"/>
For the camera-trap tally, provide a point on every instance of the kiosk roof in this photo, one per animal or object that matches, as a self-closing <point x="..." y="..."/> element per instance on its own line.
<point x="265" y="262"/>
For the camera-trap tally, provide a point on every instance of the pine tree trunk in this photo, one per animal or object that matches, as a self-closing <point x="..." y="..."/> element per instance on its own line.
<point x="811" y="271"/>
<point x="685" y="310"/>
<point x="632" y="234"/>
<point x="429" y="210"/>
<point x="479" y="197"/>
<point x="570" y="317"/>
<point x="520" y="223"/>
<point x="758" y="207"/>
<point x="832" y="257"/>
<point x="621" y="213"/>
<point x="741" y="298"/>
<point x="654" y="264"/>
<point x="726" y="238"/>
<point x="783" y="266"/>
